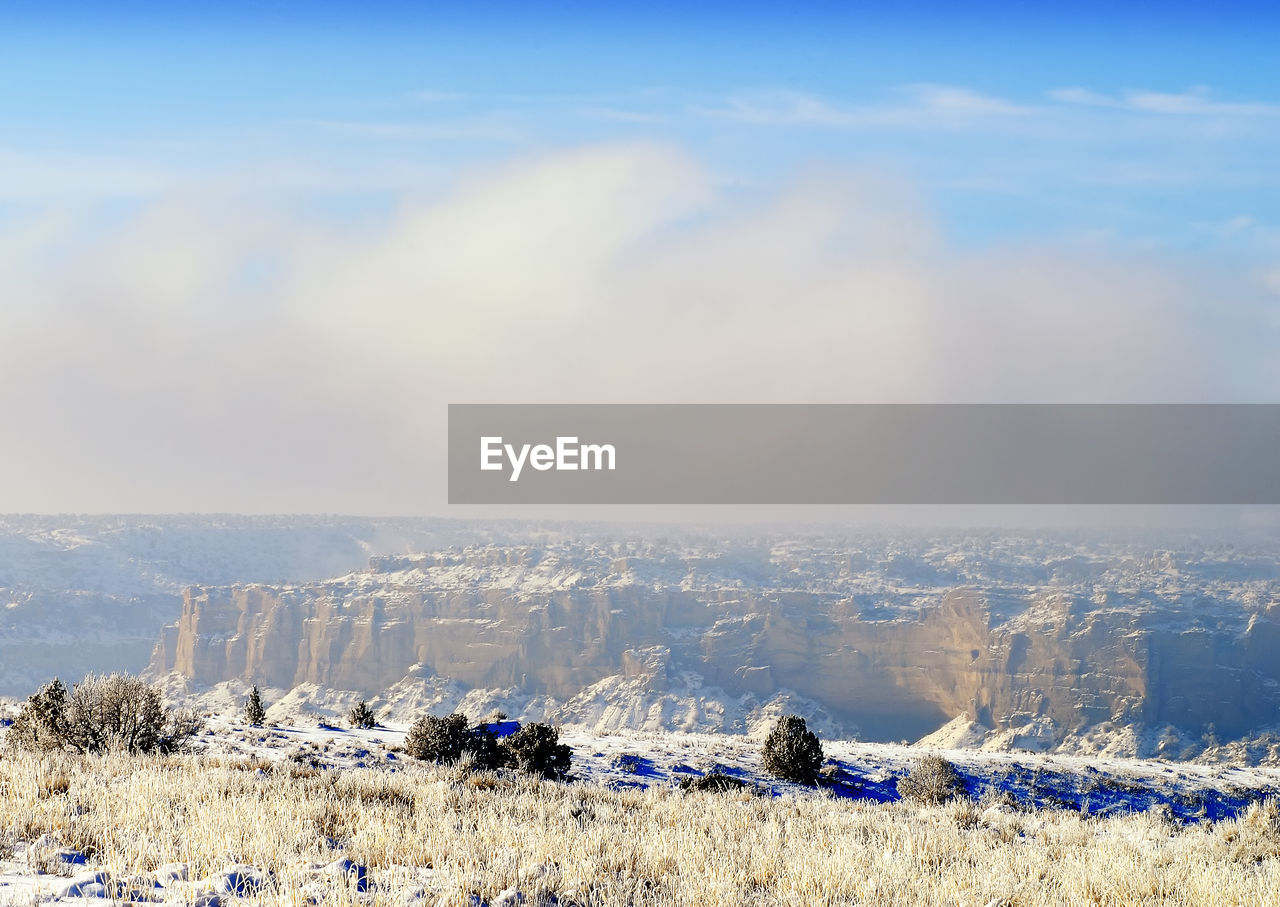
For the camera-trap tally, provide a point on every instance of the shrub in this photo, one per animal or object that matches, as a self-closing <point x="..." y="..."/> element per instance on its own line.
<point x="994" y="795"/>
<point x="482" y="749"/>
<point x="101" y="714"/>
<point x="254" y="711"/>
<point x="718" y="782"/>
<point x="931" y="780"/>
<point x="630" y="763"/>
<point x="537" y="748"/>
<point x="792" y="752"/>
<point x="361" y="716"/>
<point x="41" y="724"/>
<point x="447" y="739"/>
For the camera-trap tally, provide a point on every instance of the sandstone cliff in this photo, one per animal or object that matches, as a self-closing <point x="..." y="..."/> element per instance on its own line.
<point x="90" y="593"/>
<point x="887" y="639"/>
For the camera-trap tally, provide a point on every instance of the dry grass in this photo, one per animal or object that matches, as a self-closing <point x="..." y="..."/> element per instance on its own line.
<point x="450" y="835"/>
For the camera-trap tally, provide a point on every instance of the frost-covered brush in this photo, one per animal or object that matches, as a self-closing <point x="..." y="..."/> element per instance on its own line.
<point x="274" y="832"/>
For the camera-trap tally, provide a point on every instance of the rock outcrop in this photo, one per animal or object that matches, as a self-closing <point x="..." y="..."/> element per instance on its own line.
<point x="887" y="638"/>
<point x="82" y="594"/>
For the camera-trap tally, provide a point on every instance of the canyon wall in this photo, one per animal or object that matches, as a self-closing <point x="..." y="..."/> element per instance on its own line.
<point x="82" y="594"/>
<point x="893" y="647"/>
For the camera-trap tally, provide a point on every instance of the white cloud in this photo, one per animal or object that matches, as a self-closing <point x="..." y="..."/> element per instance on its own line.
<point x="960" y="101"/>
<point x="780" y="108"/>
<point x="1196" y="101"/>
<point x="913" y="106"/>
<point x="220" y="353"/>
<point x="492" y="126"/>
<point x="25" y="177"/>
<point x="1064" y="118"/>
<point x="619" y="115"/>
<point x="1084" y="97"/>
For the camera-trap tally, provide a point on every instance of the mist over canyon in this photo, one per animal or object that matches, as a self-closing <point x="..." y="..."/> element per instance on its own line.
<point x="1158" y="643"/>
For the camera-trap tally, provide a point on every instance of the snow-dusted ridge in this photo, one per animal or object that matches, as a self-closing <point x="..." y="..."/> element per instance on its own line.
<point x="1045" y="643"/>
<point x="1158" y="644"/>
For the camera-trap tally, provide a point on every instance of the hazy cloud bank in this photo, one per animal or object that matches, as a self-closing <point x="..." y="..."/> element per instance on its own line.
<point x="212" y="351"/>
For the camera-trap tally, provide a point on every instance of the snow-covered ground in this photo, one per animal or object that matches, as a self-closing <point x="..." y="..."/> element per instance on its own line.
<point x="49" y="870"/>
<point x="1101" y="786"/>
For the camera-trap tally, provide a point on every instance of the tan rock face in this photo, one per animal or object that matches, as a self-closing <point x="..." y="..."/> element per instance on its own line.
<point x="893" y="663"/>
<point x="82" y="594"/>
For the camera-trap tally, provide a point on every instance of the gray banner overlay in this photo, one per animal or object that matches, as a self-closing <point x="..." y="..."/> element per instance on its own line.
<point x="864" y="454"/>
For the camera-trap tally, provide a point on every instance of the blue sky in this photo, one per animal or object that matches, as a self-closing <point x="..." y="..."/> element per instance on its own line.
<point x="1154" y="126"/>
<point x="245" y="250"/>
